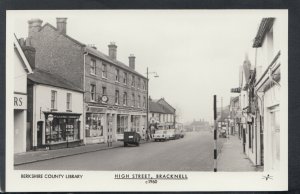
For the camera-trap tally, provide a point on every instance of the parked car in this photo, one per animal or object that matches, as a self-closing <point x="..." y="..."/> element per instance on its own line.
<point x="160" y="135"/>
<point x="182" y="133"/>
<point x="223" y="133"/>
<point x="131" y="137"/>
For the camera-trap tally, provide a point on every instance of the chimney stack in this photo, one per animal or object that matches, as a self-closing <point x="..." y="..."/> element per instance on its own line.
<point x="34" y="25"/>
<point x="112" y="50"/>
<point x="132" y="61"/>
<point x="61" y="25"/>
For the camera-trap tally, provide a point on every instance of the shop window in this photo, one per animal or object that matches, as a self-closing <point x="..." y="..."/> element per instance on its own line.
<point x="93" y="67"/>
<point x="117" y="97"/>
<point x="94" y="124"/>
<point x="69" y="101"/>
<point x="122" y="124"/>
<point x="53" y="99"/>
<point x="104" y="70"/>
<point x="93" y="92"/>
<point x="62" y="129"/>
<point x="135" y="123"/>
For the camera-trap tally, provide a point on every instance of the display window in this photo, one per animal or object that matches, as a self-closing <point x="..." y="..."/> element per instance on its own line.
<point x="62" y="128"/>
<point x="122" y="123"/>
<point x="135" y="123"/>
<point x="94" y="124"/>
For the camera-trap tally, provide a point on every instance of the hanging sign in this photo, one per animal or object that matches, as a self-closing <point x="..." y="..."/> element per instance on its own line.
<point x="50" y="117"/>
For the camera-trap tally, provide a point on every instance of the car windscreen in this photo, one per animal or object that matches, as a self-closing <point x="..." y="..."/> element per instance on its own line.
<point x="159" y="132"/>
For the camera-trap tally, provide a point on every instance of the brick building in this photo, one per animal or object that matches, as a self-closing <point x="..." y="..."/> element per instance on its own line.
<point x="114" y="93"/>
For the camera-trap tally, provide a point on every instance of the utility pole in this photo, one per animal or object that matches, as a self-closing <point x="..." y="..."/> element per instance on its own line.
<point x="215" y="133"/>
<point x="147" y="115"/>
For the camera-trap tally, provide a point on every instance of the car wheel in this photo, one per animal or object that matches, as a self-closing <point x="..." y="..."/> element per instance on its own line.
<point x="125" y="144"/>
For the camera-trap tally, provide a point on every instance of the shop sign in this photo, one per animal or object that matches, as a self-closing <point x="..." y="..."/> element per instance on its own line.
<point x="20" y="101"/>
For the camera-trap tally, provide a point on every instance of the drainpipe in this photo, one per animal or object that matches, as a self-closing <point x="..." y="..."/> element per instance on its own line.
<point x="83" y="101"/>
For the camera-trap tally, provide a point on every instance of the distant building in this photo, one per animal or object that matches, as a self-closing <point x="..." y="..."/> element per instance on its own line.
<point x="161" y="114"/>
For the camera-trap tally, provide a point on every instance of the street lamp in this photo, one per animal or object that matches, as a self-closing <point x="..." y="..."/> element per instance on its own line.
<point x="156" y="76"/>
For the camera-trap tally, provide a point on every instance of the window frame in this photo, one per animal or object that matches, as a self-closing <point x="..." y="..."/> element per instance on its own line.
<point x="93" y="67"/>
<point x="54" y="101"/>
<point x="93" y="92"/>
<point x="69" y="101"/>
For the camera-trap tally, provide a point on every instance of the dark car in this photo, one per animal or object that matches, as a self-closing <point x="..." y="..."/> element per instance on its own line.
<point x="131" y="137"/>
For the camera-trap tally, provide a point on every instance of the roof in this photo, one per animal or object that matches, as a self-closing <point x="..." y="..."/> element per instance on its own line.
<point x="167" y="107"/>
<point x="105" y="57"/>
<point x="44" y="77"/>
<point x="264" y="27"/>
<point x="155" y="107"/>
<point x="27" y="66"/>
<point x="97" y="53"/>
<point x="65" y="35"/>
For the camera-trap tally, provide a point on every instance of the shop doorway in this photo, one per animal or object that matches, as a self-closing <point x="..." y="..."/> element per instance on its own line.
<point x="39" y="133"/>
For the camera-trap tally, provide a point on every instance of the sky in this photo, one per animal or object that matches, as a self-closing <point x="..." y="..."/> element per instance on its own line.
<point x="196" y="53"/>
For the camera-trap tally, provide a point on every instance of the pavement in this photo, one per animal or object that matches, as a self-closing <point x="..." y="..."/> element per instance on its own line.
<point x="194" y="152"/>
<point x="42" y="155"/>
<point x="232" y="158"/>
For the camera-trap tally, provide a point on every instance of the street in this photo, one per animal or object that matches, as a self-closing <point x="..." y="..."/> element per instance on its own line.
<point x="194" y="152"/>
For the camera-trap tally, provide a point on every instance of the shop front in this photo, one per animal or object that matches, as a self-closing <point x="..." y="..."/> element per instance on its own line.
<point x="94" y="127"/>
<point x="62" y="130"/>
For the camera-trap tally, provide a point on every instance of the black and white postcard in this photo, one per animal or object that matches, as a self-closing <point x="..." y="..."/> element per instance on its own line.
<point x="147" y="100"/>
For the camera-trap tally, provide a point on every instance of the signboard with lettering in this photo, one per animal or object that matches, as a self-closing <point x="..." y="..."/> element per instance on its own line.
<point x="235" y="90"/>
<point x="20" y="101"/>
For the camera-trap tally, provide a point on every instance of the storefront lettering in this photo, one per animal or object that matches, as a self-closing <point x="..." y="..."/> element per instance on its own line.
<point x="20" y="101"/>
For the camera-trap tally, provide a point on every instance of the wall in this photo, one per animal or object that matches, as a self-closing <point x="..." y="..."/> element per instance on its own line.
<point x="58" y="54"/>
<point x="20" y="75"/>
<point x="42" y="99"/>
<point x="112" y="85"/>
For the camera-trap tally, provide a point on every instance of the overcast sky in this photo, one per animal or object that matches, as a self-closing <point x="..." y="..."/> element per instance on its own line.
<point x="196" y="53"/>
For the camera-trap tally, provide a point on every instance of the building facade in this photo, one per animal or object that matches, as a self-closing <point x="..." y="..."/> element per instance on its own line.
<point x="55" y="111"/>
<point x="114" y="93"/>
<point x="270" y="45"/>
<point x="161" y="114"/>
<point x="22" y="68"/>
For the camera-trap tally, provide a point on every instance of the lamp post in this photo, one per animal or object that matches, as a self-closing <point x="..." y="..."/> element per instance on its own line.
<point x="147" y="119"/>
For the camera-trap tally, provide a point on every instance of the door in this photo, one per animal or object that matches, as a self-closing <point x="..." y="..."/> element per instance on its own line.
<point x="39" y="133"/>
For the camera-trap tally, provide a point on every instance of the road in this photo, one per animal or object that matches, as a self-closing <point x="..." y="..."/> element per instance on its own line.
<point x="194" y="152"/>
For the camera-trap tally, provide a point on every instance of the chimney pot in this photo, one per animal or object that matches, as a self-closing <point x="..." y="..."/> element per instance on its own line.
<point x="61" y="25"/>
<point x="132" y="61"/>
<point x="112" y="50"/>
<point x="34" y="25"/>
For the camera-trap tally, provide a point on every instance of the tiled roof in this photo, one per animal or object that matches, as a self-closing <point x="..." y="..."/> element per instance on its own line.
<point x="98" y="53"/>
<point x="155" y="107"/>
<point x="110" y="60"/>
<point x="264" y="27"/>
<point x="44" y="77"/>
